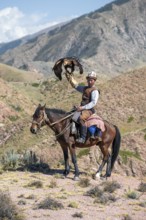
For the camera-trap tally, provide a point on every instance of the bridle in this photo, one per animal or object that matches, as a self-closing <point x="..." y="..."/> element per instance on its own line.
<point x="46" y="121"/>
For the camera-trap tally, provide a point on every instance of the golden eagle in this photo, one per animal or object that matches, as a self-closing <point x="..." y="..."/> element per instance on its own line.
<point x="68" y="63"/>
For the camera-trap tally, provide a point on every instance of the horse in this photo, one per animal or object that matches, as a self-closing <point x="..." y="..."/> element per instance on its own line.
<point x="60" y="122"/>
<point x="67" y="63"/>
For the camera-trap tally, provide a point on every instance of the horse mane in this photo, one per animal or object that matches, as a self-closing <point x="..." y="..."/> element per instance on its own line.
<point x="56" y="111"/>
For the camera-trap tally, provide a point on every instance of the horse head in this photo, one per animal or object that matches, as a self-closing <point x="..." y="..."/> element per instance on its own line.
<point x="38" y="119"/>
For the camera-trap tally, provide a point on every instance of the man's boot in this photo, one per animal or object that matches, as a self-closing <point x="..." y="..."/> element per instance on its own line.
<point x="83" y="133"/>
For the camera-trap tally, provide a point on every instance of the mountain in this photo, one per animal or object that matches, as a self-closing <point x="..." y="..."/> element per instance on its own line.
<point x="110" y="40"/>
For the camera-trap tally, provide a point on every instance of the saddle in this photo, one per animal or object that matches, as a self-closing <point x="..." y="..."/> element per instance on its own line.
<point x="95" y="126"/>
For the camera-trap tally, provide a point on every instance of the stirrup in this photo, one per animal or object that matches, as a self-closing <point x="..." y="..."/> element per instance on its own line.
<point x="99" y="138"/>
<point x="80" y="140"/>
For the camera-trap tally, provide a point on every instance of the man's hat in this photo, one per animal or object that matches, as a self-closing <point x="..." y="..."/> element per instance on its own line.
<point x="91" y="75"/>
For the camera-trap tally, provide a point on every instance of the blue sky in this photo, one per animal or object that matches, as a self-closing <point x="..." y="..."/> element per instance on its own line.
<point x="22" y="17"/>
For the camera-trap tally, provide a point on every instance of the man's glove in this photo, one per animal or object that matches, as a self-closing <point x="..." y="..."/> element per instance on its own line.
<point x="71" y="80"/>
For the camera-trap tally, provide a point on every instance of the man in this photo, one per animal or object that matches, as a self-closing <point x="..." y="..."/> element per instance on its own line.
<point x="89" y="100"/>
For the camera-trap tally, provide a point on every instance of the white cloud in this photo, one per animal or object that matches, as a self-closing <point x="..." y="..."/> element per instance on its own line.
<point x="15" y="24"/>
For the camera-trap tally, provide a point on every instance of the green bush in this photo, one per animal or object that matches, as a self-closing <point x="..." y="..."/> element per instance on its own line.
<point x="130" y="119"/>
<point x="35" y="84"/>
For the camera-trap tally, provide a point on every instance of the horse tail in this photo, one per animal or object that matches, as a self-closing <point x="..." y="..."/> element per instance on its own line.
<point x="115" y="146"/>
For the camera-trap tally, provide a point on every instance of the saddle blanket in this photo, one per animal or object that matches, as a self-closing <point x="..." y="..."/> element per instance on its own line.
<point x="95" y="120"/>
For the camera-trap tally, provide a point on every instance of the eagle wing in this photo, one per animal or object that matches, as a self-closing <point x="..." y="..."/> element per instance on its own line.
<point x="77" y="63"/>
<point x="57" y="68"/>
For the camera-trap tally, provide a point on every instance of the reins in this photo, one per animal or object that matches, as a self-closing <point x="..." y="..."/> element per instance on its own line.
<point x="62" y="119"/>
<point x="56" y="122"/>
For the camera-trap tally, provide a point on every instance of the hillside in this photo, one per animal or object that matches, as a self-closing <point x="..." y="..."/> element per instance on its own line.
<point x="110" y="40"/>
<point x="34" y="163"/>
<point x="118" y="103"/>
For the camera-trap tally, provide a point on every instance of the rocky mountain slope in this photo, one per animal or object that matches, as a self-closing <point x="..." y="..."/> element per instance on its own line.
<point x="110" y="40"/>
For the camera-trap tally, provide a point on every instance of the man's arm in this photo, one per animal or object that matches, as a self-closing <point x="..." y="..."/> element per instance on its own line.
<point x="71" y="80"/>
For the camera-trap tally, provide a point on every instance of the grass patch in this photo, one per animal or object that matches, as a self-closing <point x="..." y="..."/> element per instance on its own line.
<point x="17" y="108"/>
<point x="53" y="183"/>
<point x="130" y="119"/>
<point x="125" y="154"/>
<point x="131" y="194"/>
<point x="35" y="84"/>
<point x="73" y="205"/>
<point x="83" y="152"/>
<point x="13" y="117"/>
<point x="36" y="184"/>
<point x="50" y="203"/>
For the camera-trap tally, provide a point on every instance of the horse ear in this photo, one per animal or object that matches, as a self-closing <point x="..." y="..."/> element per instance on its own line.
<point x="44" y="106"/>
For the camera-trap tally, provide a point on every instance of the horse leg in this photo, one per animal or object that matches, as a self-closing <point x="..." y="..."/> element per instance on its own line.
<point x="99" y="171"/>
<point x="74" y="161"/>
<point x="66" y="160"/>
<point x="108" y="168"/>
<point x="104" y="150"/>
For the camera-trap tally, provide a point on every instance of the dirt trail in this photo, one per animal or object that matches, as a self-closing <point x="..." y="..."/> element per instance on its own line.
<point x="67" y="191"/>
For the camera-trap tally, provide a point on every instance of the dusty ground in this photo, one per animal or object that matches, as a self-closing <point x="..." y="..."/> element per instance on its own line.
<point x="67" y="191"/>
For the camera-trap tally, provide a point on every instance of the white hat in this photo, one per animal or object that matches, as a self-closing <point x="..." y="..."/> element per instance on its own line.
<point x="92" y="75"/>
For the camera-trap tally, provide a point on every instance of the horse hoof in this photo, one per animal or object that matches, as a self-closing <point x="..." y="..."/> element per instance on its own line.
<point x="76" y="178"/>
<point x="97" y="176"/>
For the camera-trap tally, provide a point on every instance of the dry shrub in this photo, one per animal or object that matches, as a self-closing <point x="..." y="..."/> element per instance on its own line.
<point x="37" y="184"/>
<point x="7" y="209"/>
<point x="84" y="182"/>
<point x="142" y="187"/>
<point x="111" y="186"/>
<point x="78" y="215"/>
<point x="53" y="183"/>
<point x="142" y="204"/>
<point x="94" y="192"/>
<point x="105" y="198"/>
<point x="126" y="217"/>
<point x="50" y="203"/>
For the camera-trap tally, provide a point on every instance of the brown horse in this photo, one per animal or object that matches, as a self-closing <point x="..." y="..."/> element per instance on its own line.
<point x="68" y="63"/>
<point x="60" y="122"/>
